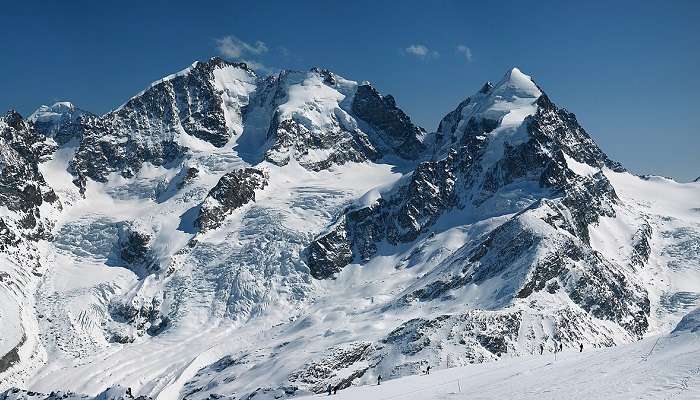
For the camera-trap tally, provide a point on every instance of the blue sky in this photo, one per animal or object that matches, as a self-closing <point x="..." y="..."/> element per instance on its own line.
<point x="629" y="70"/>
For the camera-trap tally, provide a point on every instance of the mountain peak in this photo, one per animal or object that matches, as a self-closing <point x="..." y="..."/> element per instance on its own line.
<point x="218" y="62"/>
<point x="517" y="84"/>
<point x="486" y="88"/>
<point x="63" y="105"/>
<point x="328" y="76"/>
<point x="60" y="107"/>
<point x="50" y="119"/>
<point x="12" y="118"/>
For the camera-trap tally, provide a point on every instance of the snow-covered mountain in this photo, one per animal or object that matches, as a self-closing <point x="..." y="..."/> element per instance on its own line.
<point x="226" y="234"/>
<point x="53" y="121"/>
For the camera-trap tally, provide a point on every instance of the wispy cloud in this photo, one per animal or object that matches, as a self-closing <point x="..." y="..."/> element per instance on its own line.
<point x="238" y="50"/>
<point x="421" y="51"/>
<point x="233" y="47"/>
<point x="466" y="51"/>
<point x="284" y="52"/>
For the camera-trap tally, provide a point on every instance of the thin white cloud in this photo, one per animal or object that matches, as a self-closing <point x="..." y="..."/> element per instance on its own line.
<point x="421" y="51"/>
<point x="258" y="66"/>
<point x="466" y="51"/>
<point x="284" y="52"/>
<point x="237" y="50"/>
<point x="233" y="47"/>
<point x="417" y="50"/>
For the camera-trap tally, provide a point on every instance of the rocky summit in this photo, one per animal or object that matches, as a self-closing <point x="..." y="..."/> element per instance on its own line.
<point x="224" y="234"/>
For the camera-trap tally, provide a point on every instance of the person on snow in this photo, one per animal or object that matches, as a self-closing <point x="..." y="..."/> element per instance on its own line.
<point x="329" y="389"/>
<point x="580" y="347"/>
<point x="379" y="380"/>
<point x="541" y="348"/>
<point x="427" y="370"/>
<point x="335" y="389"/>
<point x="561" y="346"/>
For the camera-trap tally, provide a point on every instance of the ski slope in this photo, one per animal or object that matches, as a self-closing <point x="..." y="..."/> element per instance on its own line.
<point x="662" y="367"/>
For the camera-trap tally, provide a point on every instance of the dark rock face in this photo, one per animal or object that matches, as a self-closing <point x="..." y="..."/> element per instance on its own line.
<point x="144" y="316"/>
<point x="133" y="249"/>
<point x="562" y="128"/>
<point x="74" y="131"/>
<point x="145" y="128"/>
<point x="22" y="187"/>
<point x="233" y="190"/>
<point x="11" y="357"/>
<point x="641" y="248"/>
<point x="400" y="218"/>
<point x="395" y="126"/>
<point x="190" y="99"/>
<point x="29" y="207"/>
<point x="100" y="152"/>
<point x="292" y="139"/>
<point x="189" y="175"/>
<point x="329" y="77"/>
<point x="315" y="374"/>
<point x="165" y="189"/>
<point x="330" y="253"/>
<point x="133" y="245"/>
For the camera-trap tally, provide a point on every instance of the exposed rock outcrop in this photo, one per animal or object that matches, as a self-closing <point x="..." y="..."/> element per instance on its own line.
<point x="396" y="128"/>
<point x="233" y="190"/>
<point x="200" y="102"/>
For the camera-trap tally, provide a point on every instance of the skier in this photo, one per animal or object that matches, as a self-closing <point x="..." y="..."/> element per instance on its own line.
<point x="329" y="389"/>
<point x="379" y="380"/>
<point x="541" y="348"/>
<point x="561" y="346"/>
<point x="427" y="370"/>
<point x="580" y="347"/>
<point x="335" y="389"/>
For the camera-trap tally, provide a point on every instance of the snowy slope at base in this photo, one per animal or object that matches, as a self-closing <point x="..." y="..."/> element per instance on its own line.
<point x="664" y="367"/>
